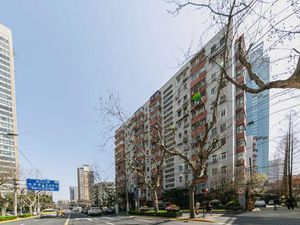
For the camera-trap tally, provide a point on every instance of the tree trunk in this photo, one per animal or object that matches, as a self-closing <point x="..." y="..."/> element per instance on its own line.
<point x="4" y="208"/>
<point x="192" y="197"/>
<point x="155" y="200"/>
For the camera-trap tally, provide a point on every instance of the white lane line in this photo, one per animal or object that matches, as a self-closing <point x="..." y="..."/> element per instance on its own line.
<point x="89" y="219"/>
<point x="109" y="223"/>
<point x="67" y="221"/>
<point x="108" y="218"/>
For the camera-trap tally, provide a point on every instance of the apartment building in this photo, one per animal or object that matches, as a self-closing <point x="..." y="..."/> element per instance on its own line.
<point x="9" y="161"/>
<point x="85" y="177"/>
<point x="180" y="118"/>
<point x="73" y="194"/>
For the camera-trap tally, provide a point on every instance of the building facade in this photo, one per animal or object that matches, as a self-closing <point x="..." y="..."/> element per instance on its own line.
<point x="103" y="194"/>
<point x="258" y="107"/>
<point x="73" y="194"/>
<point x="180" y="119"/>
<point x="9" y="160"/>
<point x="85" y="177"/>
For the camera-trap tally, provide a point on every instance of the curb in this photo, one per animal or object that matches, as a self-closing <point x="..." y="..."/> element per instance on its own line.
<point x="18" y="219"/>
<point x="194" y="219"/>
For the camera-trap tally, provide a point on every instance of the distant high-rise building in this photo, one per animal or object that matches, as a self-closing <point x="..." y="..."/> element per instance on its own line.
<point x="258" y="107"/>
<point x="85" y="178"/>
<point x="73" y="194"/>
<point x="9" y="163"/>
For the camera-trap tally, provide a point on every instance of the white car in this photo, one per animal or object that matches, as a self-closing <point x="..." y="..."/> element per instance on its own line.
<point x="48" y="213"/>
<point x="94" y="211"/>
<point x="260" y="203"/>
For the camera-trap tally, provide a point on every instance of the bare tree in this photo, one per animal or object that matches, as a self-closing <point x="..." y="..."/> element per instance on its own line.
<point x="275" y="21"/>
<point x="145" y="164"/>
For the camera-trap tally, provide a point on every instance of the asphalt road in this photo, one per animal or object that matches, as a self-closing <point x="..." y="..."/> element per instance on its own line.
<point x="264" y="217"/>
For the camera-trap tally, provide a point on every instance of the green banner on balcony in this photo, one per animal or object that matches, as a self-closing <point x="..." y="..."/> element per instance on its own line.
<point x="196" y="97"/>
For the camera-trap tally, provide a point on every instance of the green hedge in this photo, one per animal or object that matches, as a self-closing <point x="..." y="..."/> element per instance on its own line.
<point x="5" y="218"/>
<point x="25" y="215"/>
<point x="162" y="213"/>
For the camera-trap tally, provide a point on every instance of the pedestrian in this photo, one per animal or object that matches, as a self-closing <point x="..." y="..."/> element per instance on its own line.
<point x="275" y="202"/>
<point x="287" y="202"/>
<point x="208" y="208"/>
<point x="197" y="211"/>
<point x="292" y="203"/>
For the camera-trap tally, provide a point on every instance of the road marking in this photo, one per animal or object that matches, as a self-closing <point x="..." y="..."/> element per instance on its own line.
<point x="108" y="218"/>
<point x="67" y="221"/>
<point x="89" y="219"/>
<point x="109" y="223"/>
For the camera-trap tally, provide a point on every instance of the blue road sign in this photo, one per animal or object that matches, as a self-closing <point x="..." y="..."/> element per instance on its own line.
<point x="42" y="185"/>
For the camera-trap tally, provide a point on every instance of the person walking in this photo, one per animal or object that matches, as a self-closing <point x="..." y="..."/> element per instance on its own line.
<point x="208" y="208"/>
<point x="287" y="202"/>
<point x="276" y="202"/>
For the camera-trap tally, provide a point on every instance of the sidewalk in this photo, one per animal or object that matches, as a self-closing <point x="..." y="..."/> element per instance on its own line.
<point x="207" y="218"/>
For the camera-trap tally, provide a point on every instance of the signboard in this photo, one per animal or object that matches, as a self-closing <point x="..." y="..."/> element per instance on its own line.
<point x="42" y="185"/>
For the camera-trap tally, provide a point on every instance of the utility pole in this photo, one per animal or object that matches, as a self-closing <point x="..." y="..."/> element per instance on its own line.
<point x="290" y="155"/>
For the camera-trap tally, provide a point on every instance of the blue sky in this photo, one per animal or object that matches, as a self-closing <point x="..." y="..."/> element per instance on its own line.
<point x="68" y="54"/>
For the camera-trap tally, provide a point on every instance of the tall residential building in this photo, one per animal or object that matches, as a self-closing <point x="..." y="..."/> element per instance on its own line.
<point x="85" y="178"/>
<point x="258" y="107"/>
<point x="9" y="161"/>
<point x="173" y="106"/>
<point x="73" y="194"/>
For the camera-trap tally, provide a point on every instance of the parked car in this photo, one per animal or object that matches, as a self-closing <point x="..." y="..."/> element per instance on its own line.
<point x="48" y="213"/>
<point x="260" y="204"/>
<point x="108" y="211"/>
<point x="85" y="210"/>
<point x="94" y="211"/>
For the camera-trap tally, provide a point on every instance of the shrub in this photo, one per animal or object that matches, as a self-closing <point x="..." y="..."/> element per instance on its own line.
<point x="25" y="215"/>
<point x="233" y="205"/>
<point x="5" y="218"/>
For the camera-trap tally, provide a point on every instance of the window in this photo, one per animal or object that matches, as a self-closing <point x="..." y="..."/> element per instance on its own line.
<point x="213" y="48"/>
<point x="179" y="124"/>
<point x="223" y="113"/>
<point x="222" y="99"/>
<point x="180" y="179"/>
<point x="239" y="101"/>
<point x="223" y="170"/>
<point x="213" y="90"/>
<point x="214" y="171"/>
<point x="213" y="131"/>
<point x="223" y="127"/>
<point x="213" y="77"/>
<point x="222" y="41"/>
<point x="240" y="143"/>
<point x="185" y="86"/>
<point x="180" y="135"/>
<point x="239" y="129"/>
<point x="223" y="155"/>
<point x="179" y="113"/>
<point x="180" y="168"/>
<point x="148" y="169"/>
<point x="178" y="102"/>
<point x="214" y="158"/>
<point x="223" y="141"/>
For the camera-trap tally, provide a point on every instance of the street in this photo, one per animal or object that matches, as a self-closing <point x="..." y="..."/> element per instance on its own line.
<point x="264" y="217"/>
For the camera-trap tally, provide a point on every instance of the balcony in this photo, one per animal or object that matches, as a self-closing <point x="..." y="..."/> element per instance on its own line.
<point x="199" y="117"/>
<point x="240" y="135"/>
<point x="198" y="79"/>
<point x="240" y="149"/>
<point x="197" y="131"/>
